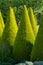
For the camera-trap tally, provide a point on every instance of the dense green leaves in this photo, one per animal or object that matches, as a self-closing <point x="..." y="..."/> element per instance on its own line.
<point x="24" y="39"/>
<point x="2" y="25"/>
<point x="33" y="21"/>
<point x="35" y="4"/>
<point x="37" y="52"/>
<point x="25" y="29"/>
<point x="8" y="36"/>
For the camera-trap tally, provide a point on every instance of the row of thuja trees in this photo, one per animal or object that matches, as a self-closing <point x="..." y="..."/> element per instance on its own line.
<point x="24" y="42"/>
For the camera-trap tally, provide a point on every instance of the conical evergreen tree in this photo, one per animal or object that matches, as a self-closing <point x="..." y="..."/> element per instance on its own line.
<point x="2" y="25"/>
<point x="33" y="21"/>
<point x="37" y="52"/>
<point x="24" y="39"/>
<point x="8" y="36"/>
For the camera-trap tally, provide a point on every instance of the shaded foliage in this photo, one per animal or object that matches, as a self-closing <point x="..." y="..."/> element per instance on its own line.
<point x="4" y="5"/>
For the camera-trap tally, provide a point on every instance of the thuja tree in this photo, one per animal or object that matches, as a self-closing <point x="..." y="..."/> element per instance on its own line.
<point x="2" y="25"/>
<point x="37" y="52"/>
<point x="24" y="39"/>
<point x="8" y="36"/>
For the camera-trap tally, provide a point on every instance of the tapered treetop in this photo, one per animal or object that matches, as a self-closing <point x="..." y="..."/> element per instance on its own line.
<point x="24" y="39"/>
<point x="11" y="27"/>
<point x="8" y="36"/>
<point x="2" y="25"/>
<point x="33" y="21"/>
<point x="37" y="52"/>
<point x="25" y="25"/>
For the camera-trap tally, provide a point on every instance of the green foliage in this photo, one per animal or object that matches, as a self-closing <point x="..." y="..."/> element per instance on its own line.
<point x="2" y="25"/>
<point x="25" y="36"/>
<point x="8" y="36"/>
<point x="18" y="13"/>
<point x="37" y="52"/>
<point x="12" y="26"/>
<point x="24" y="39"/>
<point x="33" y="21"/>
<point x="35" y="4"/>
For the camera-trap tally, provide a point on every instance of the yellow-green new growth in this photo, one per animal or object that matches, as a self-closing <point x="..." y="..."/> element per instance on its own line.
<point x="24" y="39"/>
<point x="29" y="30"/>
<point x="11" y="26"/>
<point x="1" y="25"/>
<point x="37" y="52"/>
<point x="8" y="36"/>
<point x="33" y="21"/>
